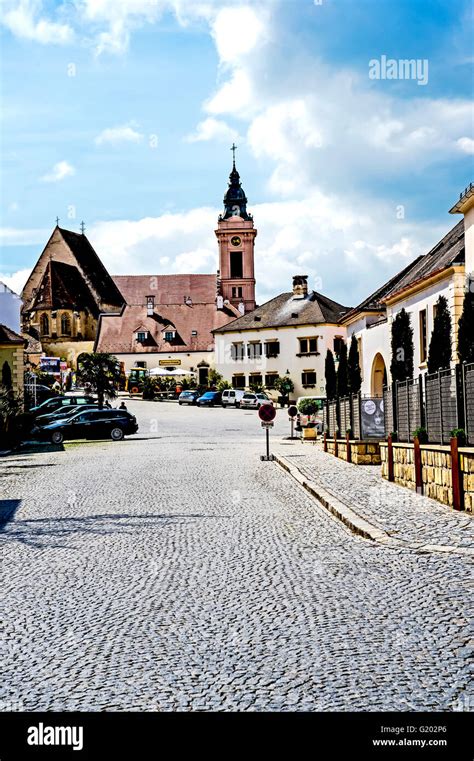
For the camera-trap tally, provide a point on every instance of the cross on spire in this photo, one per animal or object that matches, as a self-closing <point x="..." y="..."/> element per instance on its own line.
<point x="57" y="221"/>
<point x="83" y="227"/>
<point x="233" y="149"/>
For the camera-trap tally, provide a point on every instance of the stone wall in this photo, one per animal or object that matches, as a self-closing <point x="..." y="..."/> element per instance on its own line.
<point x="435" y="469"/>
<point x="362" y="452"/>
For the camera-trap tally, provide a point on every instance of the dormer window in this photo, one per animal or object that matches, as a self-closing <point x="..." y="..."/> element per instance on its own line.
<point x="169" y="335"/>
<point x="141" y="336"/>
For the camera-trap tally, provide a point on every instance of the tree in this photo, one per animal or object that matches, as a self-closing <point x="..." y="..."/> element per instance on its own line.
<point x="466" y="328"/>
<point x="343" y="372"/>
<point x="284" y="385"/>
<point x="330" y="373"/>
<point x="401" y="365"/>
<point x="439" y="354"/>
<point x="7" y="376"/>
<point x="101" y="372"/>
<point x="355" y="376"/>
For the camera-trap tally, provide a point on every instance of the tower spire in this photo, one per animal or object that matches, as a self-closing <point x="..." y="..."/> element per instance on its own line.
<point x="235" y="200"/>
<point x="233" y="149"/>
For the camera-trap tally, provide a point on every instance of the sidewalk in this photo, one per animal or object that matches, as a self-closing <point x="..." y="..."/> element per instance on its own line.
<point x="392" y="510"/>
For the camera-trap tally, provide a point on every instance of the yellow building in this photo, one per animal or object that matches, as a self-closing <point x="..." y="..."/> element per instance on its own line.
<point x="11" y="358"/>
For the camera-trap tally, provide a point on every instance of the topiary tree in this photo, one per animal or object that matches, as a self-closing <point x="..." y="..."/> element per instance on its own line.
<point x="402" y="347"/>
<point x="466" y="328"/>
<point x="439" y="354"/>
<point x="330" y="374"/>
<point x="284" y="385"/>
<point x="101" y="372"/>
<point x="343" y="372"/>
<point x="353" y="367"/>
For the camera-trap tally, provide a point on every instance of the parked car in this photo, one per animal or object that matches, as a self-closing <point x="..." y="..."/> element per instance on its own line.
<point x="63" y="412"/>
<point x="209" y="399"/>
<point x="254" y="401"/>
<point x="313" y="419"/>
<point x="188" y="397"/>
<point x="91" y="424"/>
<point x="49" y="405"/>
<point x="231" y="397"/>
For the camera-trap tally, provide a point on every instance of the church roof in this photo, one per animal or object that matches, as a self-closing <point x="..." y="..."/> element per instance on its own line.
<point x="285" y="310"/>
<point x="235" y="200"/>
<point x="92" y="267"/>
<point x="63" y="287"/>
<point x="193" y="323"/>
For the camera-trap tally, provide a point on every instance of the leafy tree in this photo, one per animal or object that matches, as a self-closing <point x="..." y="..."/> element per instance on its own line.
<point x="330" y="374"/>
<point x="439" y="354"/>
<point x="7" y="381"/>
<point x="355" y="376"/>
<point x="402" y="347"/>
<point x="466" y="328"/>
<point x="214" y="378"/>
<point x="101" y="372"/>
<point x="223" y="384"/>
<point x="284" y="385"/>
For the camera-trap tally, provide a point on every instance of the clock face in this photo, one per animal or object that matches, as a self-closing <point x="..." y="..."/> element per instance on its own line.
<point x="236" y="241"/>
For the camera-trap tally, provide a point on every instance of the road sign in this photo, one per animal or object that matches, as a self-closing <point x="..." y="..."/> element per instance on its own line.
<point x="292" y="411"/>
<point x="267" y="424"/>
<point x="267" y="412"/>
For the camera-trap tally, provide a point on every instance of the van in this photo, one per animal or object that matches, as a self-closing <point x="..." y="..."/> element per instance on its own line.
<point x="231" y="397"/>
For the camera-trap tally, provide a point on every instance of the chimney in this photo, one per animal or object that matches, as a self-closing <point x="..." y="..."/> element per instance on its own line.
<point x="465" y="206"/>
<point x="150" y="305"/>
<point x="300" y="286"/>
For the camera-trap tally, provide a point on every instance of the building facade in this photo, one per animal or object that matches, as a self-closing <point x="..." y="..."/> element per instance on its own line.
<point x="289" y="335"/>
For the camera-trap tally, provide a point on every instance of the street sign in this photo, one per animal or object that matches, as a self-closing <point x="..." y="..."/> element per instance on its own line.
<point x="292" y="411"/>
<point x="267" y="412"/>
<point x="267" y="424"/>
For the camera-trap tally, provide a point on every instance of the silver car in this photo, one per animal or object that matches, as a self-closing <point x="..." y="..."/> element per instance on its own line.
<point x="254" y="401"/>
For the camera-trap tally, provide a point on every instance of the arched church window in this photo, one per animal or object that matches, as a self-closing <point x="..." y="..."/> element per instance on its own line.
<point x="44" y="325"/>
<point x="65" y="324"/>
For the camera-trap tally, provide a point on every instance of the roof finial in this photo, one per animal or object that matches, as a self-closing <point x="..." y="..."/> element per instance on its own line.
<point x="233" y="149"/>
<point x="57" y="221"/>
<point x="83" y="227"/>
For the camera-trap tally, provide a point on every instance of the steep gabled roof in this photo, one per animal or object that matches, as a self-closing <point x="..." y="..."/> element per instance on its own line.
<point x="92" y="267"/>
<point x="63" y="287"/>
<point x="285" y="310"/>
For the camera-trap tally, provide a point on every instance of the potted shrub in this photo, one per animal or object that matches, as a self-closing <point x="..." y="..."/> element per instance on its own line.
<point x="421" y="434"/>
<point x="460" y="435"/>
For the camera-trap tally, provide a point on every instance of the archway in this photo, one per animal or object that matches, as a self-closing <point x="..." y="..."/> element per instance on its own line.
<point x="378" y="376"/>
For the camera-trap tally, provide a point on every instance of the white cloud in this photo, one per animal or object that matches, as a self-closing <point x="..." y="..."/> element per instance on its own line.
<point x="11" y="236"/>
<point x="212" y="129"/>
<point x="466" y="144"/>
<point x="236" y="31"/>
<point x="121" y="134"/>
<point x="17" y="280"/>
<point x="22" y="19"/>
<point x="59" y="171"/>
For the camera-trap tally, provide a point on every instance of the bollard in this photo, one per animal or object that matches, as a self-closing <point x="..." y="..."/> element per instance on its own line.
<point x="391" y="476"/>
<point x="348" y="447"/>
<point x="418" y="467"/>
<point x="458" y="490"/>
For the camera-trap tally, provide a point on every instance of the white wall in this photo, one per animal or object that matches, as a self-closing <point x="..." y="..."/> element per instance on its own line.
<point x="287" y="359"/>
<point x="188" y="359"/>
<point x="10" y="306"/>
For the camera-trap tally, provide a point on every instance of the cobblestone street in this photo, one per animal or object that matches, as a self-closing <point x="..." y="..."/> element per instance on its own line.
<point x="176" y="571"/>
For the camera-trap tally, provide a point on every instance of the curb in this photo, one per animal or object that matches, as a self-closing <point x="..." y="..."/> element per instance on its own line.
<point x="355" y="522"/>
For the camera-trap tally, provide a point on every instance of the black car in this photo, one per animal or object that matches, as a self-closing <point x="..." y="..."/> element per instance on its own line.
<point x="188" y="397"/>
<point x="63" y="412"/>
<point x="40" y="391"/>
<point x="91" y="424"/>
<point x="50" y="405"/>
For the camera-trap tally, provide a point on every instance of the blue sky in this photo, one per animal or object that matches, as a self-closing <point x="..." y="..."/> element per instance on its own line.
<point x="122" y="112"/>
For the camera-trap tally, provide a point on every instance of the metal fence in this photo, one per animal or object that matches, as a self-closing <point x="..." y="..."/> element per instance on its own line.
<point x="439" y="402"/>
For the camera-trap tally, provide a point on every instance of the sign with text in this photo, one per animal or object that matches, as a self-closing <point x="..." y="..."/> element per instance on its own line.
<point x="372" y="418"/>
<point x="169" y="362"/>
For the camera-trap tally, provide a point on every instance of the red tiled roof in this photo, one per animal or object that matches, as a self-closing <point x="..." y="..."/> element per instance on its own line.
<point x="116" y="333"/>
<point x="63" y="287"/>
<point x="167" y="289"/>
<point x="8" y="336"/>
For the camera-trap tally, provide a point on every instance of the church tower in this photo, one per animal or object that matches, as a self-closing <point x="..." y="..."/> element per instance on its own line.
<point x="236" y="238"/>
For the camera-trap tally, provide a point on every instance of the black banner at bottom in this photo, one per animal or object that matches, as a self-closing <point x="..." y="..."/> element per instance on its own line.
<point x="142" y="736"/>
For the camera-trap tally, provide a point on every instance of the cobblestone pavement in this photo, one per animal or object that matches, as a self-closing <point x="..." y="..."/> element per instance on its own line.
<point x="399" y="511"/>
<point x="176" y="571"/>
